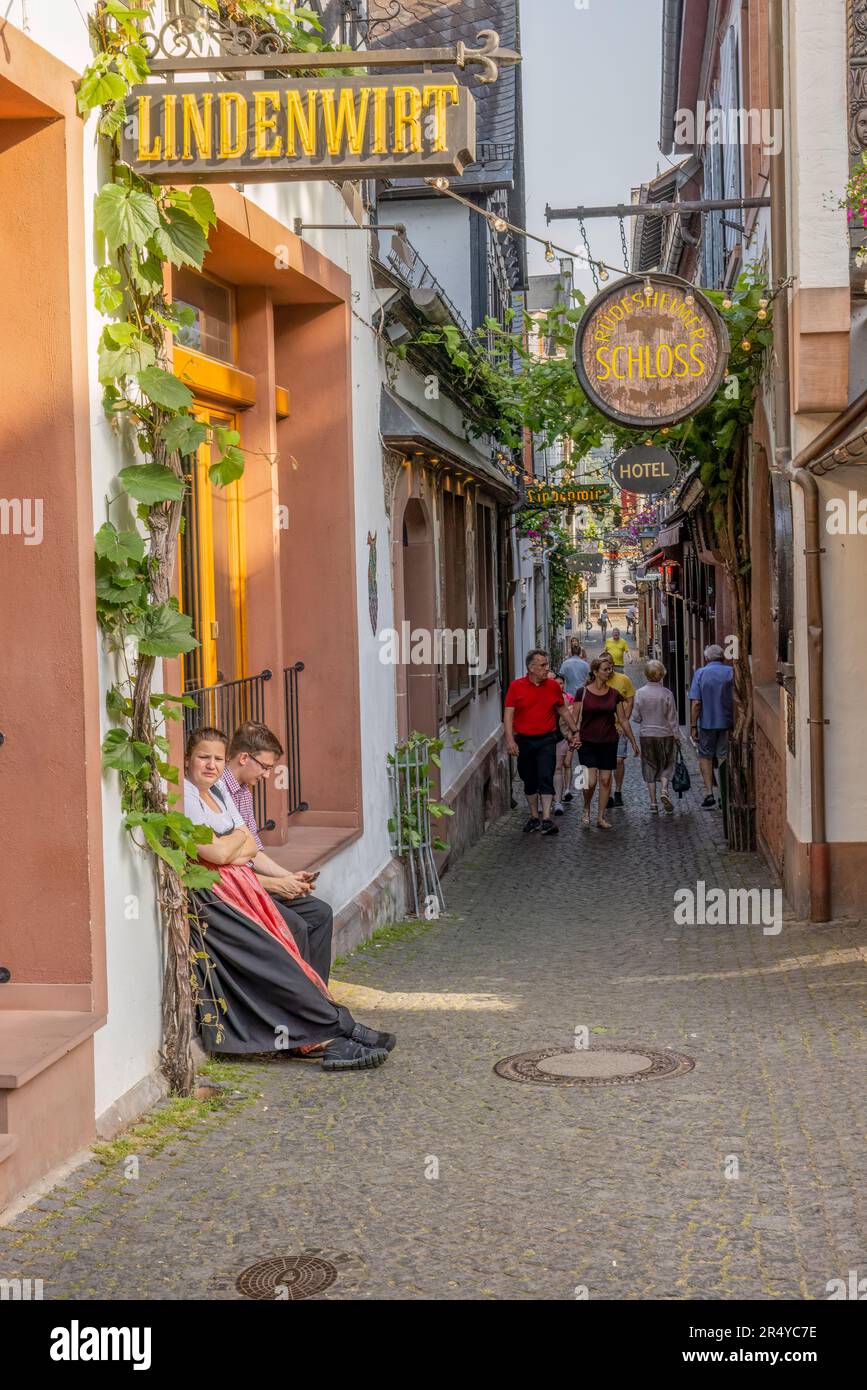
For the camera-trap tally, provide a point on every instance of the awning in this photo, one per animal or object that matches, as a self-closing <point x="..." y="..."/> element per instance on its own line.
<point x="404" y="426"/>
<point x="671" y="535"/>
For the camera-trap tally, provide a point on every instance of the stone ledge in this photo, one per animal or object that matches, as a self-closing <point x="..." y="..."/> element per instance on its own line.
<point x="132" y="1105"/>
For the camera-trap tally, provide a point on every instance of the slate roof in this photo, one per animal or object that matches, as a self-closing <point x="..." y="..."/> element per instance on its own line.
<point x="444" y="24"/>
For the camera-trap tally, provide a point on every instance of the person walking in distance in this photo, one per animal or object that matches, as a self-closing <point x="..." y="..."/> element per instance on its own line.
<point x="563" y="772"/>
<point x="575" y="670"/>
<point x="600" y="724"/>
<point x="618" y="681"/>
<point x="655" y="711"/>
<point x="712" y="701"/>
<point x="617" y="648"/>
<point x="575" y="673"/>
<point x="631" y="621"/>
<point x="533" y="704"/>
<point x="603" y="622"/>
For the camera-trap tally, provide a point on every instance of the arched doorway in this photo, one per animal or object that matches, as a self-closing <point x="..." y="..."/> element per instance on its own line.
<point x="419" y="616"/>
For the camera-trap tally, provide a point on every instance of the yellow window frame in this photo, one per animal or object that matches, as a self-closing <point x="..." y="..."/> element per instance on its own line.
<point x="237" y="553"/>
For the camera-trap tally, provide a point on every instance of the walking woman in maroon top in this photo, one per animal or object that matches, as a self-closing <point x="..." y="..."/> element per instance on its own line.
<point x="599" y="711"/>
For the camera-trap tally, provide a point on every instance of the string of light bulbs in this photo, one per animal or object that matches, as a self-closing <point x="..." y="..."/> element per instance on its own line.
<point x="501" y="224"/>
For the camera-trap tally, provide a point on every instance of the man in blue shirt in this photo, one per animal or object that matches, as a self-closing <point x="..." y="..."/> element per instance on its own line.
<point x="712" y="696"/>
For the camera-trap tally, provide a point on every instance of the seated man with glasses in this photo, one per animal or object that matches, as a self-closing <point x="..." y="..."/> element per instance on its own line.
<point x="252" y="754"/>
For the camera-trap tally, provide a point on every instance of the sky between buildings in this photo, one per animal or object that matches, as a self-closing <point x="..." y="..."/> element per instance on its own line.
<point x="591" y="76"/>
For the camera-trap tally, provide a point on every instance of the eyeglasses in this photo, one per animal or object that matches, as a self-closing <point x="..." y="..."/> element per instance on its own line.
<point x="266" y="767"/>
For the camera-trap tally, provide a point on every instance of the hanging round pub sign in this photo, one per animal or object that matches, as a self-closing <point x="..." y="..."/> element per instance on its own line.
<point x="645" y="470"/>
<point x="650" y="350"/>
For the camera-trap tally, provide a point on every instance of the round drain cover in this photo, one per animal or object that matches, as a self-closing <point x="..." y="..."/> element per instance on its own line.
<point x="605" y="1065"/>
<point x="611" y="1064"/>
<point x="288" y="1277"/>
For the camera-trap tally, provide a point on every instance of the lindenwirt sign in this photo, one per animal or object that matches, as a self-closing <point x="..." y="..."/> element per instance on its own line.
<point x="231" y="109"/>
<point x="650" y="359"/>
<point x="342" y="128"/>
<point x="567" y="495"/>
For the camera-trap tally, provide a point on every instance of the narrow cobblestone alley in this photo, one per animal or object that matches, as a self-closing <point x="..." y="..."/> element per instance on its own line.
<point x="441" y="1180"/>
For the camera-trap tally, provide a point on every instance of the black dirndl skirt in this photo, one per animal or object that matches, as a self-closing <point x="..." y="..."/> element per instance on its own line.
<point x="252" y="995"/>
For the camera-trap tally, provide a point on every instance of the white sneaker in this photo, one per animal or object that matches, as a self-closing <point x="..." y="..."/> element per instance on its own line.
<point x="559" y="808"/>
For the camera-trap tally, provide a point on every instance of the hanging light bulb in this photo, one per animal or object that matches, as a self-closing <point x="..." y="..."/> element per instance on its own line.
<point x="727" y="303"/>
<point x="648" y="289"/>
<point x="746" y="345"/>
<point x="500" y="225"/>
<point x="689" y="299"/>
<point x="549" y="253"/>
<point x="603" y="274"/>
<point x="442" y="184"/>
<point x="763" y="303"/>
<point x="762" y="314"/>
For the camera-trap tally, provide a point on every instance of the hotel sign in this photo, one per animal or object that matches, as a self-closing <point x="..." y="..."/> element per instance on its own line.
<point x="650" y="350"/>
<point x="569" y="495"/>
<point x="306" y="128"/>
<point x="645" y="470"/>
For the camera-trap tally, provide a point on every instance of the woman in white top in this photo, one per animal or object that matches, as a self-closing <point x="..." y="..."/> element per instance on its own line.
<point x="256" y="991"/>
<point x="655" y="712"/>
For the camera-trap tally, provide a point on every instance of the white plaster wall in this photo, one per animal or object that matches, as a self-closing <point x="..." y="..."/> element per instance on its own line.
<point x="819" y="124"/>
<point x="439" y="229"/>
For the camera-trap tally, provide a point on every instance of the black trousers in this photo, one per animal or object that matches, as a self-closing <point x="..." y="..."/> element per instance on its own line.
<point x="311" y="922"/>
<point x="537" y="762"/>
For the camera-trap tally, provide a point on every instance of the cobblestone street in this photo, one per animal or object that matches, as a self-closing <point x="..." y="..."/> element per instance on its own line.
<point x="540" y="1190"/>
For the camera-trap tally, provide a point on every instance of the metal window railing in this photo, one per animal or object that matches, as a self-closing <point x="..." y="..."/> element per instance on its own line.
<point x="293" y="738"/>
<point x="224" y="707"/>
<point x="228" y="704"/>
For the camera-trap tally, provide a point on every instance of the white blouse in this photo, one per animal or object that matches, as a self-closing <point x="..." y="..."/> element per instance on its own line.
<point x="200" y="813"/>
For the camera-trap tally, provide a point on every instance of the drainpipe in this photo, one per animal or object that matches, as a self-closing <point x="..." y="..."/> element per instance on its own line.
<point x="819" y="861"/>
<point x="798" y="471"/>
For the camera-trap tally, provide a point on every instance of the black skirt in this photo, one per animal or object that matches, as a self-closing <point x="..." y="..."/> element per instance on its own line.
<point x="253" y="995"/>
<point x="599" y="755"/>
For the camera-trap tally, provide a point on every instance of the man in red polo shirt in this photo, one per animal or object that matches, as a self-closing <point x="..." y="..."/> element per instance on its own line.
<point x="533" y="703"/>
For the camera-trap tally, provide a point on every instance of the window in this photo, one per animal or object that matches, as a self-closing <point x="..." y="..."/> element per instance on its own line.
<point x="212" y="331"/>
<point x="211" y="581"/>
<point x="486" y="532"/>
<point x="455" y="565"/>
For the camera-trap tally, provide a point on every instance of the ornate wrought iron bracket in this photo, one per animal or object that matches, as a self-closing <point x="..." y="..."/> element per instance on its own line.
<point x="177" y="47"/>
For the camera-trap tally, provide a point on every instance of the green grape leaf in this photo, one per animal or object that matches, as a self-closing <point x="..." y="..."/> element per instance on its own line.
<point x="165" y="389"/>
<point x="166" y="632"/>
<point x="229" y="468"/>
<point x="106" y="296"/>
<point x="119" y="546"/>
<point x="183" y="434"/>
<point x="151" y="482"/>
<point x="125" y="216"/>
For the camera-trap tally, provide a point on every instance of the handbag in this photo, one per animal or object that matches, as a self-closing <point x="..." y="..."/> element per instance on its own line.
<point x="681" y="781"/>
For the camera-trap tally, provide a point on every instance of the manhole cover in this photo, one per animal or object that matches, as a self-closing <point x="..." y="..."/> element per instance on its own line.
<point x="287" y="1277"/>
<point x="611" y="1064"/>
